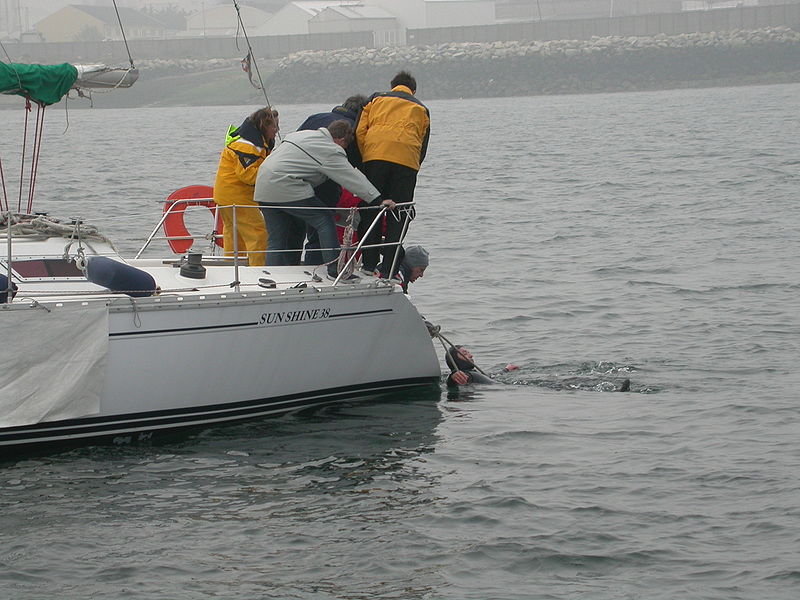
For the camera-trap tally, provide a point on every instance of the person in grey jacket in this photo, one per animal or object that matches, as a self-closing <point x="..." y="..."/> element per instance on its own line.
<point x="286" y="181"/>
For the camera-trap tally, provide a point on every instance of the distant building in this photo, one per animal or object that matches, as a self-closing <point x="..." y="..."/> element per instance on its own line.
<point x="352" y="18"/>
<point x="84" y="23"/>
<point x="690" y="5"/>
<point x="293" y="18"/>
<point x="222" y="20"/>
<point x="314" y="16"/>
<point x="18" y="17"/>
<point x="534" y="10"/>
<point x="419" y="14"/>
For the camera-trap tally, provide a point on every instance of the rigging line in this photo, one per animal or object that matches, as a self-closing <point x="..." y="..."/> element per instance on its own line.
<point x="472" y="362"/>
<point x="122" y="30"/>
<point x="66" y="114"/>
<point x="10" y="65"/>
<point x="37" y="152"/>
<point x="250" y="51"/>
<point x="24" y="147"/>
<point x="4" y="200"/>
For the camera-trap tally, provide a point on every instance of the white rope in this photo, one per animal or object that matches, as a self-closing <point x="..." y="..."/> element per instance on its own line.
<point x="25" y="224"/>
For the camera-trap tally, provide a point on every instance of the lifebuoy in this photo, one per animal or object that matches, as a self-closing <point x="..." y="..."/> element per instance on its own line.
<point x="175" y="206"/>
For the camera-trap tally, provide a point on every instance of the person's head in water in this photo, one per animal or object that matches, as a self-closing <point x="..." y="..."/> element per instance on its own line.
<point x="416" y="258"/>
<point x="458" y="358"/>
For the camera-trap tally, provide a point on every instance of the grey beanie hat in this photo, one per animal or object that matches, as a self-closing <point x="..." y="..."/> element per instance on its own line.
<point x="416" y="256"/>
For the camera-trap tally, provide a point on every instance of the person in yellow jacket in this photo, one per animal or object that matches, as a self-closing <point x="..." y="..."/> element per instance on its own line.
<point x="246" y="147"/>
<point x="392" y="135"/>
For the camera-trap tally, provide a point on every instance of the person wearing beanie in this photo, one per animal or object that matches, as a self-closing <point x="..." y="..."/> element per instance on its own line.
<point x="415" y="261"/>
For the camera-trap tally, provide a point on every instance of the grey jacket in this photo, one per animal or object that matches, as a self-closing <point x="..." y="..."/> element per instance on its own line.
<point x="304" y="160"/>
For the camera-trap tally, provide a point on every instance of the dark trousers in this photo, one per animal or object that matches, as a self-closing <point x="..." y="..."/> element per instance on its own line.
<point x="329" y="193"/>
<point x="282" y="220"/>
<point x="395" y="182"/>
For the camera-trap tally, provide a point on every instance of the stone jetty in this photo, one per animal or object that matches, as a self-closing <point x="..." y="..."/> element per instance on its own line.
<point x="509" y="68"/>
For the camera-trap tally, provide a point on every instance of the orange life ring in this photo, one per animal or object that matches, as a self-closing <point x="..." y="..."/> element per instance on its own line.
<point x="175" y="206"/>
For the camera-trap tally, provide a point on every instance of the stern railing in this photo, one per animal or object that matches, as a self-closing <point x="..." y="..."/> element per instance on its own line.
<point x="181" y="205"/>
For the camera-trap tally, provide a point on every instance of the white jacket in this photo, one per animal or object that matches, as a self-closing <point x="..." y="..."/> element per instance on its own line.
<point x="304" y="160"/>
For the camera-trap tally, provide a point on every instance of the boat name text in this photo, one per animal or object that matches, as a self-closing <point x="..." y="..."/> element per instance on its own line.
<point x="295" y="316"/>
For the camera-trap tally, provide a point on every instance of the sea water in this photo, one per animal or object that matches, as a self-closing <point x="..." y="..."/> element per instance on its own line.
<point x="588" y="239"/>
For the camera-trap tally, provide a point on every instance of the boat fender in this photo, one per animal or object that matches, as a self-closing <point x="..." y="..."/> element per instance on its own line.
<point x="4" y="289"/>
<point x="119" y="277"/>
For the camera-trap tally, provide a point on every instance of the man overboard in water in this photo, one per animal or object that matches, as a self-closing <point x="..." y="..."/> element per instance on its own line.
<point x="464" y="371"/>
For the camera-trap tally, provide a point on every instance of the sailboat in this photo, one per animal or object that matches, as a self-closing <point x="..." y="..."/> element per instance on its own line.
<point x="99" y="347"/>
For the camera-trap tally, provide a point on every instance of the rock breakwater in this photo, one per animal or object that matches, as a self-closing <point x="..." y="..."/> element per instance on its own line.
<point x="611" y="63"/>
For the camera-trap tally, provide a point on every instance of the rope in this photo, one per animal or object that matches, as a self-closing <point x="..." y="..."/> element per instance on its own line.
<point x="4" y="200"/>
<point x="24" y="147"/>
<point x="435" y="331"/>
<point x="159" y="291"/>
<point x="19" y="80"/>
<point x="37" y="147"/>
<point x="27" y="224"/>
<point x="38" y="135"/>
<point x="122" y="31"/>
<point x="250" y="58"/>
<point x="66" y="114"/>
<point x="344" y="263"/>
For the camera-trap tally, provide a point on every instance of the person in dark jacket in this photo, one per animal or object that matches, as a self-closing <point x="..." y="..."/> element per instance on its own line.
<point x="330" y="191"/>
<point x="463" y="370"/>
<point x="349" y="111"/>
<point x="392" y="134"/>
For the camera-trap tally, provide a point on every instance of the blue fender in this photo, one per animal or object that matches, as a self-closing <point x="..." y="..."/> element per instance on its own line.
<point x="119" y="277"/>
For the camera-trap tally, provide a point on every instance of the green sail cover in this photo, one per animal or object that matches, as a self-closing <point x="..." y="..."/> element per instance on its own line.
<point x="45" y="84"/>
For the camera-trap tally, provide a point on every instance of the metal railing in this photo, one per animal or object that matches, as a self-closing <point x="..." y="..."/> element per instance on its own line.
<point x="180" y="206"/>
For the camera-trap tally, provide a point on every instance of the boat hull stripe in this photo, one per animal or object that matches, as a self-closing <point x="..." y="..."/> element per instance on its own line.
<point x="89" y="427"/>
<point x="129" y="334"/>
<point x="180" y="330"/>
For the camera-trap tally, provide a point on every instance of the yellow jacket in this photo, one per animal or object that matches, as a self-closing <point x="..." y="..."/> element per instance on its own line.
<point x="395" y="127"/>
<point x="238" y="165"/>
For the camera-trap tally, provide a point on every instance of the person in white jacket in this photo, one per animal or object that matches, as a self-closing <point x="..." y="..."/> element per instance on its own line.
<point x="285" y="188"/>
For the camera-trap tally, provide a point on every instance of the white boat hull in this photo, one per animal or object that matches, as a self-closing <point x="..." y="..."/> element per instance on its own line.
<point x="191" y="359"/>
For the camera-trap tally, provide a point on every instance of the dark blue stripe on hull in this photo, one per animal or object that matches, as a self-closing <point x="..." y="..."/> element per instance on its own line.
<point x="140" y="333"/>
<point x="84" y="430"/>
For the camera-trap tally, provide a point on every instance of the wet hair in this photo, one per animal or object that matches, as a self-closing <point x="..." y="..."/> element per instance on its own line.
<point x="404" y="78"/>
<point x="355" y="103"/>
<point x="263" y="118"/>
<point x="455" y="361"/>
<point x="341" y="129"/>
